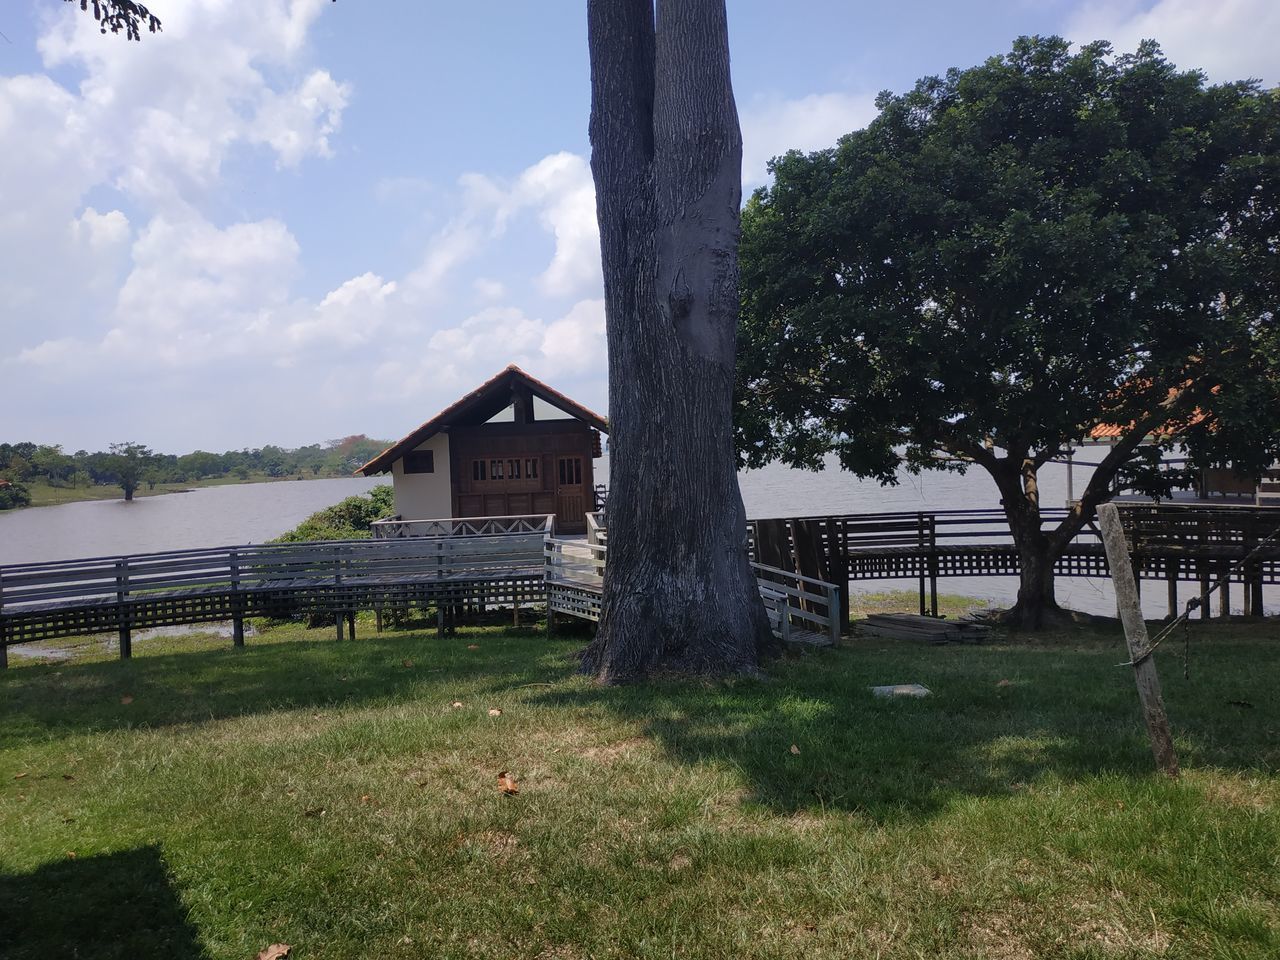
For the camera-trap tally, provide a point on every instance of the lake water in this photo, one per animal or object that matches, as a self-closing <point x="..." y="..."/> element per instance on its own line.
<point x="204" y="517"/>
<point x="255" y="512"/>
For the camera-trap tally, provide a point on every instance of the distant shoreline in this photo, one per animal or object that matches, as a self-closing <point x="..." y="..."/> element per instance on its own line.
<point x="45" y="495"/>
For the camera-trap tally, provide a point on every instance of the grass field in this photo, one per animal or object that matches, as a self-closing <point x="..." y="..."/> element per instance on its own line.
<point x="342" y="797"/>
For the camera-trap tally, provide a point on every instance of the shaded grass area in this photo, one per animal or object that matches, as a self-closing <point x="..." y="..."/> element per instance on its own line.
<point x="332" y="796"/>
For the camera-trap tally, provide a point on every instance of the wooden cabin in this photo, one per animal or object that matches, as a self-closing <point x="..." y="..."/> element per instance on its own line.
<point x="512" y="447"/>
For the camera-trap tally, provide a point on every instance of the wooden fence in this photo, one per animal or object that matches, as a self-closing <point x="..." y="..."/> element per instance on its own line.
<point x="1169" y="542"/>
<point x="124" y="593"/>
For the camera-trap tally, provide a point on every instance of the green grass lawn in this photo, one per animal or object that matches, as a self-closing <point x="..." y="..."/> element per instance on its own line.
<point x="342" y="797"/>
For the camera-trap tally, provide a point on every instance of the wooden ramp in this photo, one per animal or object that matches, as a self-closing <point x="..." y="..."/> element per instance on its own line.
<point x="910" y="626"/>
<point x="801" y="609"/>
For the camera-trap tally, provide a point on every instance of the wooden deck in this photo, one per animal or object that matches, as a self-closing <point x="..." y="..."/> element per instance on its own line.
<point x="801" y="609"/>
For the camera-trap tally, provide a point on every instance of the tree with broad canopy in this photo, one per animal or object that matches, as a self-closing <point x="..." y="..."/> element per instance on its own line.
<point x="1009" y="256"/>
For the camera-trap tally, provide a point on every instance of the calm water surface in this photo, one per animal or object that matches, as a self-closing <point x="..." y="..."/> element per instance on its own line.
<point x="206" y="517"/>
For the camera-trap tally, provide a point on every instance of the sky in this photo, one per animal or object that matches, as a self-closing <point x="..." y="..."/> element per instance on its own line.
<point x="289" y="221"/>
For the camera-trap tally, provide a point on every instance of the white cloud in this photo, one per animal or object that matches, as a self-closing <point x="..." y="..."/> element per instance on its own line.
<point x="559" y="190"/>
<point x="347" y="317"/>
<point x="576" y="342"/>
<point x="298" y="122"/>
<point x="160" y="117"/>
<point x="772" y="126"/>
<point x="1228" y="39"/>
<point x="562" y="188"/>
<point x="487" y="288"/>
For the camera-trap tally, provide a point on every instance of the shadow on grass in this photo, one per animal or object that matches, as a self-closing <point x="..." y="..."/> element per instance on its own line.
<point x="201" y="685"/>
<point x="119" y="905"/>
<point x="1000" y="718"/>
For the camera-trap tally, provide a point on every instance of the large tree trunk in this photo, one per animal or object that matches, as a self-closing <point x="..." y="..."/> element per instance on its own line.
<point x="1036" y="606"/>
<point x="667" y="157"/>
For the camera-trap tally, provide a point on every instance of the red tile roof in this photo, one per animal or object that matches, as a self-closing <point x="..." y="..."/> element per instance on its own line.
<point x="503" y="381"/>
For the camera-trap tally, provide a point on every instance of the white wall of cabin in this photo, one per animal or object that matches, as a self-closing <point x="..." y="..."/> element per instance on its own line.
<point x="425" y="496"/>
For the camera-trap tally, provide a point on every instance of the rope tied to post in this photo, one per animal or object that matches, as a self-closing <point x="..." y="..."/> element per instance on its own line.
<point x="1184" y="618"/>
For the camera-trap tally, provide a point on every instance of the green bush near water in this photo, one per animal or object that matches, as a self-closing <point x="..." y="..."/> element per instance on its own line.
<point x="13" y="495"/>
<point x="350" y="519"/>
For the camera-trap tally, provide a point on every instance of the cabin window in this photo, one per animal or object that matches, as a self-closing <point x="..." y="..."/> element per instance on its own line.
<point x="531" y="468"/>
<point x="570" y="471"/>
<point x="478" y="471"/>
<point x="497" y="470"/>
<point x="420" y="461"/>
<point x="513" y="469"/>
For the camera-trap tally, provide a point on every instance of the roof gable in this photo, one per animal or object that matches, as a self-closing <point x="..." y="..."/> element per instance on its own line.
<point x="482" y="403"/>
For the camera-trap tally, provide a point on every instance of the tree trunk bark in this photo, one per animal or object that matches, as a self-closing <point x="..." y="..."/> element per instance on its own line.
<point x="679" y="592"/>
<point x="1037" y="605"/>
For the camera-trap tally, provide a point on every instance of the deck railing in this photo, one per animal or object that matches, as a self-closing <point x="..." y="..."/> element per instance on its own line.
<point x="121" y="593"/>
<point x="799" y="607"/>
<point x="392" y="528"/>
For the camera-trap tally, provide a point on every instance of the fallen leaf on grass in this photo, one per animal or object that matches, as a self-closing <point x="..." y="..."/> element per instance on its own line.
<point x="126" y="699"/>
<point x="495" y="712"/>
<point x="366" y="798"/>
<point x="795" y="750"/>
<point x="507" y="784"/>
<point x="277" y="951"/>
<point x="1005" y="683"/>
<point x="457" y="704"/>
<point x="71" y="854"/>
<point x="315" y="812"/>
<point x="67" y="776"/>
<point x="406" y="663"/>
<point x="19" y="776"/>
<point x="473" y="646"/>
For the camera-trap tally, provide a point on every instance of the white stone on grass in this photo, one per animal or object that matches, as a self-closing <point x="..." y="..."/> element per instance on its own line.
<point x="902" y="690"/>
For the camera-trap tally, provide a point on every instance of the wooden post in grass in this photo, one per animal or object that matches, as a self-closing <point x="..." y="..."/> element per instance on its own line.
<point x="1135" y="634"/>
<point x="237" y="603"/>
<point x="122" y="593"/>
<point x="4" y="640"/>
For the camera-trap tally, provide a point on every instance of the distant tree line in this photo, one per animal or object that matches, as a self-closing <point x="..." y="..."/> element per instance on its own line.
<point x="132" y="465"/>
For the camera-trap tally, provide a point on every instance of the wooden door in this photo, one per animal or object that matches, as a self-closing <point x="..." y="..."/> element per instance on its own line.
<point x="571" y="495"/>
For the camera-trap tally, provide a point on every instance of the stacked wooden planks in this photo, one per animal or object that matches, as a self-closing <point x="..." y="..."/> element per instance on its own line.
<point x="910" y="626"/>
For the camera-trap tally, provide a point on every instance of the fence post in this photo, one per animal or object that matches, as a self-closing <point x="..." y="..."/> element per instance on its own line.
<point x="924" y="560"/>
<point x="833" y="613"/>
<point x="237" y="602"/>
<point x="338" y="614"/>
<point x="4" y="633"/>
<point x="1171" y="574"/>
<point x="1135" y="634"/>
<point x="933" y="565"/>
<point x="122" y="593"/>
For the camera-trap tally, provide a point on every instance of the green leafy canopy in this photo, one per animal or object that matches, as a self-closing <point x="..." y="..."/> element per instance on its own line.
<point x="1012" y="254"/>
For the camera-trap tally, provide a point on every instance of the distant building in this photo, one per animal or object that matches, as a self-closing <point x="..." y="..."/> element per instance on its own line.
<point x="512" y="447"/>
